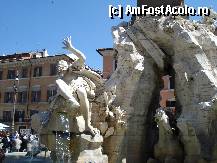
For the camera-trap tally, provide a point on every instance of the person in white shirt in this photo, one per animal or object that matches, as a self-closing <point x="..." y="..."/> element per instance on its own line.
<point x="17" y="144"/>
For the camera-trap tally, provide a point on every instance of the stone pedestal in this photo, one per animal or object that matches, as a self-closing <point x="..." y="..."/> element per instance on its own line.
<point x="94" y="156"/>
<point x="86" y="148"/>
<point x="83" y="148"/>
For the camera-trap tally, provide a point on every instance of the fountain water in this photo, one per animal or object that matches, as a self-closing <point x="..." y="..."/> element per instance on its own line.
<point x="63" y="140"/>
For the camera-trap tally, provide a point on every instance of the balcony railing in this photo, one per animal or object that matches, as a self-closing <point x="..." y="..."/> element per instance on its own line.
<point x="19" y="120"/>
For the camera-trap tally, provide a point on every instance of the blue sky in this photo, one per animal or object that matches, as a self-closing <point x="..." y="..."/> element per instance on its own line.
<point x="30" y="25"/>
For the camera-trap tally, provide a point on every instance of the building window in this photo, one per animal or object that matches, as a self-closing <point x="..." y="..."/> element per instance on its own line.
<point x="53" y="69"/>
<point x="36" y="96"/>
<point x="11" y="74"/>
<point x="6" y="116"/>
<point x="52" y="91"/>
<point x="9" y="97"/>
<point x="22" y="97"/>
<point x="19" y="116"/>
<point x="115" y="63"/>
<point x="24" y="73"/>
<point x="1" y="75"/>
<point x="32" y="112"/>
<point x="37" y="72"/>
<point x="170" y="103"/>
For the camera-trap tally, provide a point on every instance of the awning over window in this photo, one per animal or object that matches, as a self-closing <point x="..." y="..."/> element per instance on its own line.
<point x="22" y="88"/>
<point x="52" y="87"/>
<point x="36" y="88"/>
<point x="9" y="89"/>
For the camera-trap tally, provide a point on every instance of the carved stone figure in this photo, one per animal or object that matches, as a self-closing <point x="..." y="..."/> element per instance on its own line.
<point x="66" y="128"/>
<point x="168" y="146"/>
<point x="76" y="88"/>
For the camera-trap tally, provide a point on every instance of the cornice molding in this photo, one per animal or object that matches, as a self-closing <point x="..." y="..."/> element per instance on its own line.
<point x="33" y="61"/>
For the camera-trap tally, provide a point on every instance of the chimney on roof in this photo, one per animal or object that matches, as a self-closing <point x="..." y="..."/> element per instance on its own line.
<point x="45" y="53"/>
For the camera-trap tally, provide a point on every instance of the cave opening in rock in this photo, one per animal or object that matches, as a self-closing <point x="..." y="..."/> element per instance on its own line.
<point x="168" y="99"/>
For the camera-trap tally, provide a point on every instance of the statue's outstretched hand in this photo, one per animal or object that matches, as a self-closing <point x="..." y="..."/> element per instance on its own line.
<point x="67" y="43"/>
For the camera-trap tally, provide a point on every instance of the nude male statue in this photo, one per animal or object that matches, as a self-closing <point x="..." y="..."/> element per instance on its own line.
<point x="75" y="86"/>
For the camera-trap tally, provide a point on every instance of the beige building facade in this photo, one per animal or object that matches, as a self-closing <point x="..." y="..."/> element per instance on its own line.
<point x="27" y="81"/>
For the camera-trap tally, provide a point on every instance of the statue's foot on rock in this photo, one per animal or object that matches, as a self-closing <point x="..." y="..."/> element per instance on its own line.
<point x="93" y="131"/>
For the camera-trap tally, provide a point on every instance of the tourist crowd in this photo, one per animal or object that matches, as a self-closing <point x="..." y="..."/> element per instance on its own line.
<point x="17" y="142"/>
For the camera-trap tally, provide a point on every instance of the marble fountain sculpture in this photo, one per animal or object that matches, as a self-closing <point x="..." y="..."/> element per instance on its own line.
<point x="118" y="120"/>
<point x="66" y="127"/>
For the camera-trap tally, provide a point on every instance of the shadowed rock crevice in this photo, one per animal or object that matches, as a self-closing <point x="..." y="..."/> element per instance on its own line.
<point x="151" y="130"/>
<point x="141" y="121"/>
<point x="173" y="116"/>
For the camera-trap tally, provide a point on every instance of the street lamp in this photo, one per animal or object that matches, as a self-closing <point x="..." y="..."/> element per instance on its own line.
<point x="16" y="81"/>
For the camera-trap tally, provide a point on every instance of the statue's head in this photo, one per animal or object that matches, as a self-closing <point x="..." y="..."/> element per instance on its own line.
<point x="62" y="67"/>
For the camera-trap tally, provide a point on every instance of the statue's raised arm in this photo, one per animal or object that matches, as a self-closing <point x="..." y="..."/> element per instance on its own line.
<point x="68" y="45"/>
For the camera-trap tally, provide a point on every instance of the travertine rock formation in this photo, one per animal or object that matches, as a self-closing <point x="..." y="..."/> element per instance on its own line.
<point x="147" y="49"/>
<point x="137" y="89"/>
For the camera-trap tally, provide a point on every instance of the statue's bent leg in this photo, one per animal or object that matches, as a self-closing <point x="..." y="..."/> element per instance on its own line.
<point x="64" y="91"/>
<point x="85" y="109"/>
